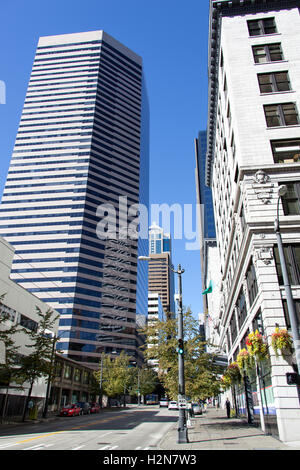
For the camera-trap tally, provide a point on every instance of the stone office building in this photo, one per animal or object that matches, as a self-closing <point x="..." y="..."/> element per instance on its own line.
<point x="253" y="147"/>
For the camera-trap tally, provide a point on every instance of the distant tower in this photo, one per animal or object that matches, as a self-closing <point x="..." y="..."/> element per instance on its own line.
<point x="161" y="278"/>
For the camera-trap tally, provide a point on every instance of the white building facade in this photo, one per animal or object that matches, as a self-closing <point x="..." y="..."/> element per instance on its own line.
<point x="253" y="146"/>
<point x="20" y="306"/>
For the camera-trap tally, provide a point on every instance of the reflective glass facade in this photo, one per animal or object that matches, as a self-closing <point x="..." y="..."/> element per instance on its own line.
<point x="82" y="142"/>
<point x="209" y="230"/>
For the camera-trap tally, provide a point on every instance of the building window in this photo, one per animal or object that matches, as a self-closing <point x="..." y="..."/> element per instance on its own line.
<point x="291" y="200"/>
<point x="77" y="375"/>
<point x="243" y="220"/>
<point x="233" y="328"/>
<point x="262" y="27"/>
<point x="258" y="323"/>
<point x="68" y="372"/>
<point x="281" y="114"/>
<point x="273" y="82"/>
<point x="286" y="151"/>
<point x="28" y="323"/>
<point x="251" y="283"/>
<point x="241" y="308"/>
<point x="267" y="53"/>
<point x="286" y="313"/>
<point x="292" y="257"/>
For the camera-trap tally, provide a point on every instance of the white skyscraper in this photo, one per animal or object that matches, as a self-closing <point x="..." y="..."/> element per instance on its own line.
<point x="82" y="143"/>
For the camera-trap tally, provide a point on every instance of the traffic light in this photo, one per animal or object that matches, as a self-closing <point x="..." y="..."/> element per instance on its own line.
<point x="180" y="346"/>
<point x="292" y="378"/>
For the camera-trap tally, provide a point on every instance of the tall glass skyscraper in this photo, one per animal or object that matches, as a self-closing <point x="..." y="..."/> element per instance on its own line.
<point x="82" y="144"/>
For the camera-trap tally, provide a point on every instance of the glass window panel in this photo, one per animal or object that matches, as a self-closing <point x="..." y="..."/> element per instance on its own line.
<point x="265" y="83"/>
<point x="254" y="28"/>
<point x="282" y="81"/>
<point x="290" y="114"/>
<point x="286" y="151"/>
<point x="260" y="56"/>
<point x="272" y="115"/>
<point x="275" y="52"/>
<point x="269" y="26"/>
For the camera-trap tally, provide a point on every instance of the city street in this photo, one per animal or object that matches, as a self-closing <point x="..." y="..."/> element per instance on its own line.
<point x="134" y="428"/>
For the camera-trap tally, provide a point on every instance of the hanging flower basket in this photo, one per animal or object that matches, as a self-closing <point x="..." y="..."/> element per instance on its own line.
<point x="256" y="346"/>
<point x="281" y="341"/>
<point x="245" y="360"/>
<point x="225" y="382"/>
<point x="233" y="373"/>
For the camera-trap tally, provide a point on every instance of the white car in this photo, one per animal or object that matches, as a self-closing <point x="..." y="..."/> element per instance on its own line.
<point x="163" y="402"/>
<point x="173" y="405"/>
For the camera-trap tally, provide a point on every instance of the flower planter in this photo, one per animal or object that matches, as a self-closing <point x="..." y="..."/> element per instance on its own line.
<point x="282" y="341"/>
<point x="256" y="346"/>
<point x="245" y="360"/>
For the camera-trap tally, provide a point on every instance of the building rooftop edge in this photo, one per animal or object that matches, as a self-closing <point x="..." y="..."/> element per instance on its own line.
<point x="216" y="9"/>
<point x="89" y="36"/>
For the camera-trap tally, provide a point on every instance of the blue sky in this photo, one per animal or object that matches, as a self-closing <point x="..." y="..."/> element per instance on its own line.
<point x="171" y="37"/>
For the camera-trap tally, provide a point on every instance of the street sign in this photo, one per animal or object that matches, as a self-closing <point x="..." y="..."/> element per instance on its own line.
<point x="182" y="403"/>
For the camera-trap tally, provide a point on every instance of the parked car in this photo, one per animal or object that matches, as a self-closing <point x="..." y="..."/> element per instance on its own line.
<point x="163" y="402"/>
<point x="85" y="407"/>
<point x="196" y="408"/>
<point x="95" y="407"/>
<point x="173" y="405"/>
<point x="70" y="410"/>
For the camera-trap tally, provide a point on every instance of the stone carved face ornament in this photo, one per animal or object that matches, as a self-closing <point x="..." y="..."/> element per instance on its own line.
<point x="262" y="186"/>
<point x="261" y="177"/>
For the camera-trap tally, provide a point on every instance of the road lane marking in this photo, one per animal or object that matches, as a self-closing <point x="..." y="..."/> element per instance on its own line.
<point x="39" y="437"/>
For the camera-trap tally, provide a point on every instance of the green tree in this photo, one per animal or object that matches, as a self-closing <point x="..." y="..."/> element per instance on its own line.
<point x="114" y="374"/>
<point x="8" y="345"/>
<point x="202" y="378"/>
<point x="38" y="362"/>
<point x="145" y="380"/>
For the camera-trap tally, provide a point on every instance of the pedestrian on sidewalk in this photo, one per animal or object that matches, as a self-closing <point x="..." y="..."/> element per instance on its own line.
<point x="228" y="406"/>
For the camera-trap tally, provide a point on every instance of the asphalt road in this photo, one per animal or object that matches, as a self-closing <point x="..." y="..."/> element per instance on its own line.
<point x="134" y="428"/>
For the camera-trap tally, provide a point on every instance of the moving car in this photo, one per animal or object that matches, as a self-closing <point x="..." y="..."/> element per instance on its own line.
<point x="95" y="407"/>
<point x="173" y="405"/>
<point x="70" y="410"/>
<point x="85" y="407"/>
<point x="163" y="402"/>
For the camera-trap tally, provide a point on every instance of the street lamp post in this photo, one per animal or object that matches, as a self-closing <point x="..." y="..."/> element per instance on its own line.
<point x="182" y="426"/>
<point x="290" y="302"/>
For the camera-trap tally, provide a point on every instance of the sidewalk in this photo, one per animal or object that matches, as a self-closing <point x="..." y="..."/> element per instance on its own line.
<point x="214" y="431"/>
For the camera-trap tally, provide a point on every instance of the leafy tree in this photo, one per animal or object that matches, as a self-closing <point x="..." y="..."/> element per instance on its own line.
<point x="202" y="378"/>
<point x="8" y="345"/>
<point x="38" y="363"/>
<point x="116" y="374"/>
<point x="145" y="380"/>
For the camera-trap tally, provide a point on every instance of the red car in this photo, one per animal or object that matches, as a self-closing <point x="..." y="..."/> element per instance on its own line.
<point x="95" y="407"/>
<point x="70" y="410"/>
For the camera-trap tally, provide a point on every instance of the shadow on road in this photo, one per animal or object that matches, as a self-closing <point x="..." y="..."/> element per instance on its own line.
<point x="113" y="419"/>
